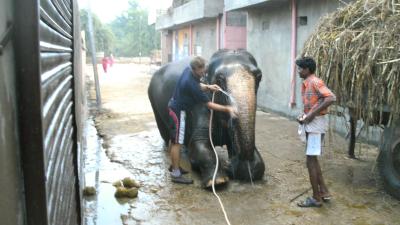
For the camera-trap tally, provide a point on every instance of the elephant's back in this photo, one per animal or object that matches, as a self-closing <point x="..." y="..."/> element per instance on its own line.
<point x="167" y="75"/>
<point x="163" y="83"/>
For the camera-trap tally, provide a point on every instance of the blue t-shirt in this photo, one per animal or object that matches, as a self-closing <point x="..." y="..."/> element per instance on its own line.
<point x="187" y="92"/>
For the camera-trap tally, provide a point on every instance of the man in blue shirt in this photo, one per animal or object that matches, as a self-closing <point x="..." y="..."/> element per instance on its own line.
<point x="188" y="92"/>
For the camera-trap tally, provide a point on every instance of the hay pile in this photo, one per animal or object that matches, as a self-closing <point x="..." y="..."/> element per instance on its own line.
<point x="357" y="50"/>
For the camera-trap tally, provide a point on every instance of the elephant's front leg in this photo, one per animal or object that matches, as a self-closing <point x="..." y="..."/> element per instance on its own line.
<point x="248" y="170"/>
<point x="203" y="159"/>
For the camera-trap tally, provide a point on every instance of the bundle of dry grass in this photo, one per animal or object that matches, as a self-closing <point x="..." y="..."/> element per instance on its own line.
<point x="357" y="50"/>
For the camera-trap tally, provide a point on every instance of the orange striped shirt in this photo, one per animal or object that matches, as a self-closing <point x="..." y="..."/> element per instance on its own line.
<point x="313" y="92"/>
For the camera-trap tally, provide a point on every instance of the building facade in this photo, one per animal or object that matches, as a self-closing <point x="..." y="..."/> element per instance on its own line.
<point x="274" y="31"/>
<point x="199" y="28"/>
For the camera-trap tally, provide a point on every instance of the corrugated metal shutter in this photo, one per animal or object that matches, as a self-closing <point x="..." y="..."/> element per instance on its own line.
<point x="45" y="56"/>
<point x="56" y="56"/>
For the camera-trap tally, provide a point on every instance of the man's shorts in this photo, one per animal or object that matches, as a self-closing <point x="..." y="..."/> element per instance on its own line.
<point x="177" y="126"/>
<point x="314" y="144"/>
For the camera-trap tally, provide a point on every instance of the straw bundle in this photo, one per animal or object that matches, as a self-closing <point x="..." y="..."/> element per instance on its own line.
<point x="357" y="50"/>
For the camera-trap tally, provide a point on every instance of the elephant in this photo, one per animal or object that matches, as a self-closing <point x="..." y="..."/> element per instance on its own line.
<point x="237" y="73"/>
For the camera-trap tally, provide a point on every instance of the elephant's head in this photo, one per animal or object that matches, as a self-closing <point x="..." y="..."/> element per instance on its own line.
<point x="236" y="72"/>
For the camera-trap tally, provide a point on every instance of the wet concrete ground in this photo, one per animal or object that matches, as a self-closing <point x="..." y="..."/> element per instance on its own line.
<point x="128" y="144"/>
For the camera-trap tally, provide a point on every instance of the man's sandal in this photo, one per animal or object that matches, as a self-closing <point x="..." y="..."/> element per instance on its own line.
<point x="326" y="198"/>
<point x="181" y="180"/>
<point x="309" y="202"/>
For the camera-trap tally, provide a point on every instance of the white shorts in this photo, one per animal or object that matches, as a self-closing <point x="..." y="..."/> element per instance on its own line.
<point x="182" y="124"/>
<point x="177" y="126"/>
<point x="314" y="144"/>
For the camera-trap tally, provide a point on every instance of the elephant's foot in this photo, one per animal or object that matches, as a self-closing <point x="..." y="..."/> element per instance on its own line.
<point x="219" y="181"/>
<point x="248" y="170"/>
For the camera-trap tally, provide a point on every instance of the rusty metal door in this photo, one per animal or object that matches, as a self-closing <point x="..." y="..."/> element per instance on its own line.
<point x="44" y="43"/>
<point x="235" y="30"/>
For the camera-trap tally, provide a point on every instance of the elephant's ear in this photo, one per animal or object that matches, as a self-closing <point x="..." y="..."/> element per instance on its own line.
<point x="211" y="69"/>
<point x="220" y="131"/>
<point x="256" y="73"/>
<point x="208" y="77"/>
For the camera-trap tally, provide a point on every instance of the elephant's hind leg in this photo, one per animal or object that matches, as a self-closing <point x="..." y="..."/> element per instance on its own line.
<point x="162" y="126"/>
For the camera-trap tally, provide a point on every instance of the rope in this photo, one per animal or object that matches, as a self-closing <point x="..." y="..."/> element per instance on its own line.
<point x="216" y="166"/>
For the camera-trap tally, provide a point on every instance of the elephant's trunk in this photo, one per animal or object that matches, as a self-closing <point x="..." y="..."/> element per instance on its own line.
<point x="241" y="84"/>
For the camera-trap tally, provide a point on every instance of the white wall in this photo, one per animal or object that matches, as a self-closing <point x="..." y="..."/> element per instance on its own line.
<point x="271" y="47"/>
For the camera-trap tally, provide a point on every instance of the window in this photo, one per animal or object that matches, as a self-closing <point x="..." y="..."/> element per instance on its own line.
<point x="302" y="21"/>
<point x="265" y="25"/>
<point x="237" y="19"/>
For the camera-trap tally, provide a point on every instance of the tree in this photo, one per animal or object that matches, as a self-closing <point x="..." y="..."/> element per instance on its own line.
<point x="103" y="35"/>
<point x="133" y="36"/>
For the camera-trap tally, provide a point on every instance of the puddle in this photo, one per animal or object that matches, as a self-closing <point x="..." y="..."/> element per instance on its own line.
<point x="103" y="208"/>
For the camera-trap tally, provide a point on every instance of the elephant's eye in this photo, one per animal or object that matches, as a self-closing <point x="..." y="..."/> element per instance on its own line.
<point x="258" y="77"/>
<point x="220" y="78"/>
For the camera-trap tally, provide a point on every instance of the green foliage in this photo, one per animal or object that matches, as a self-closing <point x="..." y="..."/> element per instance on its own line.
<point x="103" y="35"/>
<point x="128" y="35"/>
<point x="133" y="35"/>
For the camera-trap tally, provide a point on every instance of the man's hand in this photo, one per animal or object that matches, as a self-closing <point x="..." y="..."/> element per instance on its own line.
<point x="309" y="118"/>
<point x="213" y="87"/>
<point x="304" y="119"/>
<point x="300" y="118"/>
<point x="233" y="112"/>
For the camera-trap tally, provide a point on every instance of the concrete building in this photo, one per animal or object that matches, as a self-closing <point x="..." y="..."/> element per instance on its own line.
<point x="276" y="32"/>
<point x="190" y="28"/>
<point x="199" y="27"/>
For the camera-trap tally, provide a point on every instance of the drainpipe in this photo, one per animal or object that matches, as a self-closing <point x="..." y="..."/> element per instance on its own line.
<point x="174" y="46"/>
<point x="224" y="29"/>
<point x="293" y="55"/>
<point x="190" y="40"/>
<point x="218" y="32"/>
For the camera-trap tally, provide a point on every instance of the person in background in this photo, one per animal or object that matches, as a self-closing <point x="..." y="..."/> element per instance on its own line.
<point x="104" y="63"/>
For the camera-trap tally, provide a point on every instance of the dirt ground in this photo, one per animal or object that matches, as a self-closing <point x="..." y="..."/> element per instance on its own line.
<point x="130" y="145"/>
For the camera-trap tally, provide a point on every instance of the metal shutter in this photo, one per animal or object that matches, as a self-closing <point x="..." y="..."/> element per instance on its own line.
<point x="47" y="101"/>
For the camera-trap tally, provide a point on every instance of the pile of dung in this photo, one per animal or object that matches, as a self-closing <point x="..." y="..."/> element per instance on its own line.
<point x="357" y="50"/>
<point x="89" y="191"/>
<point x="126" y="188"/>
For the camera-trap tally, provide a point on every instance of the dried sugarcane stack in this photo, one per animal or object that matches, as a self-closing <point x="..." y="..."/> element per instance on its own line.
<point x="357" y="50"/>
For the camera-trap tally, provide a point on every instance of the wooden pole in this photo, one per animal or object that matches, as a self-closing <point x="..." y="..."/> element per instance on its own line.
<point x="93" y="55"/>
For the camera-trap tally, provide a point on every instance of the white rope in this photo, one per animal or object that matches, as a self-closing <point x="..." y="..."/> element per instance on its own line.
<point x="216" y="166"/>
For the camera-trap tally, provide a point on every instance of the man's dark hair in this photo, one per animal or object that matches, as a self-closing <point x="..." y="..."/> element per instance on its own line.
<point x="306" y="62"/>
